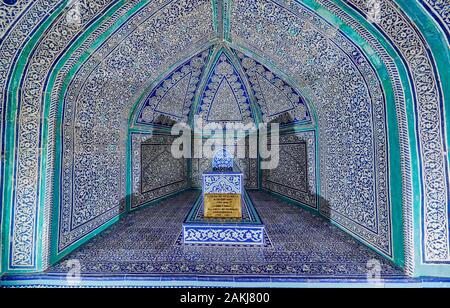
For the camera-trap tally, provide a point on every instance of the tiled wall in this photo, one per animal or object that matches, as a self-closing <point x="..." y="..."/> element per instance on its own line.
<point x="156" y="173"/>
<point x="295" y="176"/>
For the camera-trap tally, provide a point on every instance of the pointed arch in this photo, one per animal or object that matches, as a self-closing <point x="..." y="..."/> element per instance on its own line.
<point x="411" y="85"/>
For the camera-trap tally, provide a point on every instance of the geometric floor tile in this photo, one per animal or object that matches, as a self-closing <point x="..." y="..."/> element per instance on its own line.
<point x="302" y="245"/>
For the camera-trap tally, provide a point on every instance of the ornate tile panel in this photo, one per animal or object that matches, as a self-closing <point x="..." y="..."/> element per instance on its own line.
<point x="155" y="172"/>
<point x="400" y="101"/>
<point x="435" y="212"/>
<point x="225" y="97"/>
<point x="349" y="158"/>
<point x="295" y="176"/>
<point x="61" y="77"/>
<point x="247" y="230"/>
<point x="221" y="235"/>
<point x="222" y="183"/>
<point x="274" y="96"/>
<point x="119" y="69"/>
<point x="249" y="214"/>
<point x="10" y="12"/>
<point x="350" y="107"/>
<point x="249" y="167"/>
<point x="26" y="197"/>
<point x="223" y="160"/>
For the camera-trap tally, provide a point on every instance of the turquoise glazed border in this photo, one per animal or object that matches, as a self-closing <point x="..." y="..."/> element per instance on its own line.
<point x="228" y="282"/>
<point x="396" y="195"/>
<point x="438" y="46"/>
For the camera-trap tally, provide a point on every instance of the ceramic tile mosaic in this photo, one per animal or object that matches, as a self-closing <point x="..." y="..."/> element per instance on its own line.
<point x="303" y="245"/>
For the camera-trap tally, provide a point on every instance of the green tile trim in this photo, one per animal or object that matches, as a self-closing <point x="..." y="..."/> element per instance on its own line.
<point x="10" y="129"/>
<point x="54" y="256"/>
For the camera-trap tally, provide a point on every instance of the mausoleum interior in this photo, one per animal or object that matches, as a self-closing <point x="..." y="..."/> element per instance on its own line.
<point x="326" y="124"/>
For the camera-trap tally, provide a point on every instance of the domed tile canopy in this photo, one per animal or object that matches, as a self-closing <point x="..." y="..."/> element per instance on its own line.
<point x="275" y="97"/>
<point x="225" y="97"/>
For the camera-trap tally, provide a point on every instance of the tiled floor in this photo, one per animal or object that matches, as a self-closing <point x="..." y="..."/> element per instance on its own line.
<point x="302" y="245"/>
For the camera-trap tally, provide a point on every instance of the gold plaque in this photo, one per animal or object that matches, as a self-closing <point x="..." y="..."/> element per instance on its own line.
<point x="223" y="206"/>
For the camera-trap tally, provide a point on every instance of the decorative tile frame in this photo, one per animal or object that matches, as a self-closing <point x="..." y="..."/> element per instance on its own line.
<point x="152" y="159"/>
<point x="430" y="134"/>
<point x="295" y="177"/>
<point x="25" y="252"/>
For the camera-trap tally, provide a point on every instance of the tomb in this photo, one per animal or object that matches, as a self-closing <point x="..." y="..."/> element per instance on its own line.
<point x="224" y="213"/>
